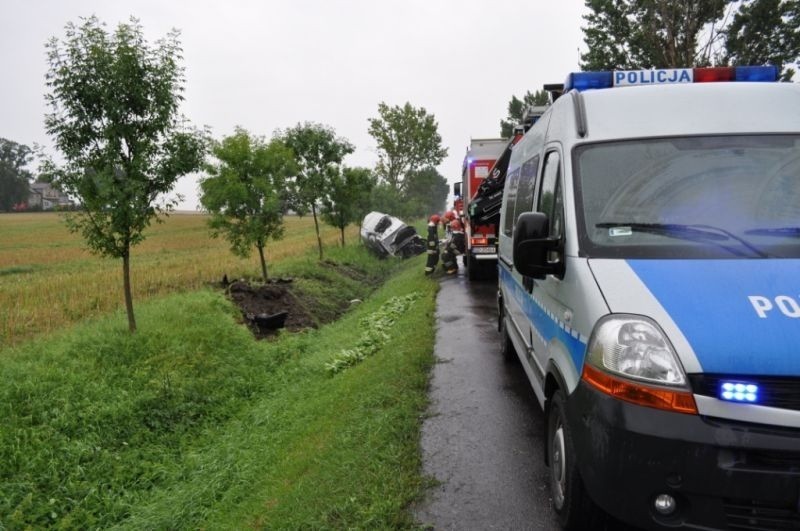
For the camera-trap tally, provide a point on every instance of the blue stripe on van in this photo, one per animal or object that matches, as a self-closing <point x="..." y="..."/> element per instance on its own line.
<point x="739" y="316"/>
<point x="545" y="324"/>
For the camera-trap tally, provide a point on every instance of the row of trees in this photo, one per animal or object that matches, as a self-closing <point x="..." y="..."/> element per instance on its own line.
<point x="254" y="182"/>
<point x="114" y="101"/>
<point x="643" y="34"/>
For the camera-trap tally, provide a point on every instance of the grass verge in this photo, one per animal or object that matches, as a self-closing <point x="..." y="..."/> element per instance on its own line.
<point x="191" y="423"/>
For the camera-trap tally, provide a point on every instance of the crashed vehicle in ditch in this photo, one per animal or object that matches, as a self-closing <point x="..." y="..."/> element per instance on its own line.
<point x="386" y="235"/>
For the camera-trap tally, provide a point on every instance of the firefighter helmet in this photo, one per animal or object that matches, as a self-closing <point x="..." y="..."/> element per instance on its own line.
<point x="435" y="219"/>
<point x="449" y="215"/>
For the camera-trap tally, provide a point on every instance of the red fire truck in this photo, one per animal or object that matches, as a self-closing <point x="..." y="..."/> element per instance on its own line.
<point x="480" y="194"/>
<point x="480" y="257"/>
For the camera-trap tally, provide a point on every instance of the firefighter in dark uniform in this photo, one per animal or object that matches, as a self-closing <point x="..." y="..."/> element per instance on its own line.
<point x="453" y="247"/>
<point x="433" y="244"/>
<point x="448" y="218"/>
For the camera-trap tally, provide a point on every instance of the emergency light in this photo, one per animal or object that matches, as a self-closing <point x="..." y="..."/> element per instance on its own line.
<point x="739" y="392"/>
<point x="581" y="81"/>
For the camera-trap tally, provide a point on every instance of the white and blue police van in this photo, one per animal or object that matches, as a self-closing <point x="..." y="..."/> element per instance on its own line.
<point x="649" y="283"/>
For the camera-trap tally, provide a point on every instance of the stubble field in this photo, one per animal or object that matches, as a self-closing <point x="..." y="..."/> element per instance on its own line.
<point x="48" y="278"/>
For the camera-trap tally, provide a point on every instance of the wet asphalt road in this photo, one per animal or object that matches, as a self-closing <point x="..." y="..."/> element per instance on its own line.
<point x="484" y="438"/>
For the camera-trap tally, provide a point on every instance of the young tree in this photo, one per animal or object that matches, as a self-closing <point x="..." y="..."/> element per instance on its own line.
<point x="408" y="139"/>
<point x="114" y="99"/>
<point x="14" y="177"/>
<point x="347" y="199"/>
<point x="242" y="192"/>
<point x="319" y="153"/>
<point x="516" y="110"/>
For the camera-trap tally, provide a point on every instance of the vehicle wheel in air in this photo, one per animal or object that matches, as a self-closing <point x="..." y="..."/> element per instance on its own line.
<point x="575" y="510"/>
<point x="506" y="346"/>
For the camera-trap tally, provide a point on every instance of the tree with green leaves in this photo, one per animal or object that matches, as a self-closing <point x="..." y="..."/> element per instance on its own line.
<point x="319" y="153"/>
<point x="426" y="192"/>
<point x="14" y="177"/>
<point x="765" y="32"/>
<point x="347" y="197"/>
<point x="640" y="34"/>
<point x="517" y="107"/>
<point x="114" y="99"/>
<point x="408" y="139"/>
<point x="243" y="191"/>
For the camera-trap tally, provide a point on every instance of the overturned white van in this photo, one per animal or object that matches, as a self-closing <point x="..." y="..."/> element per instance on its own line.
<point x="387" y="235"/>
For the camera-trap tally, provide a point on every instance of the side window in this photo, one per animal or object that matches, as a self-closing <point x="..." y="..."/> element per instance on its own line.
<point x="527" y="181"/>
<point x="550" y="197"/>
<point x="512" y="182"/>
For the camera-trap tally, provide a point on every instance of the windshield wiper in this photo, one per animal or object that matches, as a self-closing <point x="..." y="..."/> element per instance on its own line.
<point x="688" y="232"/>
<point x="776" y="231"/>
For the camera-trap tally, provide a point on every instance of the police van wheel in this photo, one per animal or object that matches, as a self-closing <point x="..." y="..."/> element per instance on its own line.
<point x="506" y="346"/>
<point x="572" y="504"/>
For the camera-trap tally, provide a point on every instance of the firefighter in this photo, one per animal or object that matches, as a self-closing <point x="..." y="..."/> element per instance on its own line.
<point x="448" y="218"/>
<point x="453" y="247"/>
<point x="433" y="244"/>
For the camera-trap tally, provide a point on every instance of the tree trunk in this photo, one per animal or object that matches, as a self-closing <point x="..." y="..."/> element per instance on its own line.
<point x="263" y="262"/>
<point x="342" y="229"/>
<point x="126" y="283"/>
<point x="316" y="227"/>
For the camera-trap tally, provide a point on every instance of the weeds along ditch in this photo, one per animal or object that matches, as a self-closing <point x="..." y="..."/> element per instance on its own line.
<point x="191" y="422"/>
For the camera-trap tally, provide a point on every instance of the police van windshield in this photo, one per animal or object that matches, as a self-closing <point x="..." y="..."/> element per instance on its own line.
<point x="697" y="197"/>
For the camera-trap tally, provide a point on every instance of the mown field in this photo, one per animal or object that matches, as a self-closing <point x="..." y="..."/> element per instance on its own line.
<point x="49" y="280"/>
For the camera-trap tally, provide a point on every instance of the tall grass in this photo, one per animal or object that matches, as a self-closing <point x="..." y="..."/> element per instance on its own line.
<point x="49" y="280"/>
<point x="191" y="423"/>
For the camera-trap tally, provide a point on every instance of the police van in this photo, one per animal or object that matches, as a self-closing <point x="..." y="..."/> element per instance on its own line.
<point x="649" y="283"/>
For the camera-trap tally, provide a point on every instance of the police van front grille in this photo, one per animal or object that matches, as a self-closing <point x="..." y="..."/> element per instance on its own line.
<point x="750" y="514"/>
<point x="773" y="391"/>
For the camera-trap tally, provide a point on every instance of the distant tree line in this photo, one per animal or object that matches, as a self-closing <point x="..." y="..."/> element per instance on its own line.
<point x="15" y="178"/>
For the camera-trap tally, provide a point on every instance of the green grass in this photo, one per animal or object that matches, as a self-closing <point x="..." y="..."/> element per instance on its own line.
<point x="191" y="423"/>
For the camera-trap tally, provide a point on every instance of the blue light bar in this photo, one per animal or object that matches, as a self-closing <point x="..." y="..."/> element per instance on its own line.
<point x="757" y="73"/>
<point x="588" y="80"/>
<point x="739" y="392"/>
<point x="597" y="80"/>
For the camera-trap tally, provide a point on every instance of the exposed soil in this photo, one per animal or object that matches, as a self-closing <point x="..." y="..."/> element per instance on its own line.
<point x="262" y="305"/>
<point x="263" y="300"/>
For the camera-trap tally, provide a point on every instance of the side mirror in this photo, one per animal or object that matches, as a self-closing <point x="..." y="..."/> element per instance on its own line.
<point x="457" y="189"/>
<point x="535" y="254"/>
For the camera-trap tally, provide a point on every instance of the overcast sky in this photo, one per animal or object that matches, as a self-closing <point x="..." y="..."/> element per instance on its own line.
<point x="267" y="65"/>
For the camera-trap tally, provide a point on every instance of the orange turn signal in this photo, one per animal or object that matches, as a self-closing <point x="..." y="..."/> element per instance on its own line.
<point x="480" y="241"/>
<point x="678" y="401"/>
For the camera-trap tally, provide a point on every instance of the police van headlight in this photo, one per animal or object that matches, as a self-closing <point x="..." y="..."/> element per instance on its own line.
<point x="635" y="347"/>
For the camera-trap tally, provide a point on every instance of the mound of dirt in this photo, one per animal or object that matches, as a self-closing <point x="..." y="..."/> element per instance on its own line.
<point x="268" y="307"/>
<point x="263" y="304"/>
